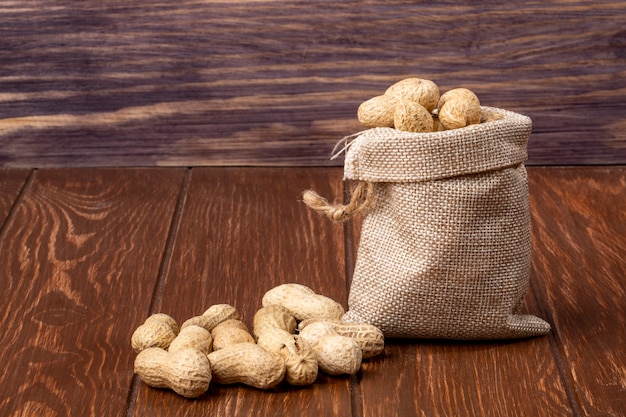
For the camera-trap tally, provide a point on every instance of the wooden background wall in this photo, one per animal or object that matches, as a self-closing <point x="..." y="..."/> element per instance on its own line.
<point x="193" y="82"/>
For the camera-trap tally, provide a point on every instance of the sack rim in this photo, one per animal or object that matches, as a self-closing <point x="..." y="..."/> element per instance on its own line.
<point x="390" y="155"/>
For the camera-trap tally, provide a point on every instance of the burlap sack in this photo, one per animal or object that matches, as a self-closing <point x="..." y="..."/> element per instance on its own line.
<point x="445" y="248"/>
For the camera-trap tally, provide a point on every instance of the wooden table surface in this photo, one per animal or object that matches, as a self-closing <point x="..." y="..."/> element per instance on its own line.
<point x="89" y="253"/>
<point x="152" y="159"/>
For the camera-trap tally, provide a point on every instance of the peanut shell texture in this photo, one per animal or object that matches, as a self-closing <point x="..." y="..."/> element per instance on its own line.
<point x="411" y="116"/>
<point x="187" y="372"/>
<point x="194" y="337"/>
<point x="301" y="365"/>
<point x="378" y="111"/>
<point x="336" y="354"/>
<point x="424" y="92"/>
<point x="247" y="363"/>
<point x="230" y="332"/>
<point x="213" y="316"/>
<point x="458" y="108"/>
<point x="159" y="330"/>
<point x="370" y="338"/>
<point x="303" y="302"/>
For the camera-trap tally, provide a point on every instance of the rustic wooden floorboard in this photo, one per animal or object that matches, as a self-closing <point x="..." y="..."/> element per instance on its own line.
<point x="129" y="82"/>
<point x="242" y="232"/>
<point x="88" y="254"/>
<point x="579" y="236"/>
<point x="80" y="257"/>
<point x="11" y="183"/>
<point x="424" y="378"/>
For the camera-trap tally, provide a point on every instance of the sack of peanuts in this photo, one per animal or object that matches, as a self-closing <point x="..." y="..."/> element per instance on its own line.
<point x="445" y="246"/>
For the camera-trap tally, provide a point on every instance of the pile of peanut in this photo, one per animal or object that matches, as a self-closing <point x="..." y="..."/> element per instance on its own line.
<point x="414" y="105"/>
<point x="296" y="333"/>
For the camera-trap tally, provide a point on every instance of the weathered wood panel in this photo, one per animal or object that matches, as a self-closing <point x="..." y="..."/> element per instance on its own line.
<point x="273" y="82"/>
<point x="580" y="238"/>
<point x="80" y="257"/>
<point x="242" y="232"/>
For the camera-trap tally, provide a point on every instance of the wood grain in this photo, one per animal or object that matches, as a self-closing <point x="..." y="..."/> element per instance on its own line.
<point x="580" y="237"/>
<point x="80" y="257"/>
<point x="11" y="183"/>
<point x="87" y="254"/>
<point x="469" y="379"/>
<point x="241" y="233"/>
<point x="122" y="83"/>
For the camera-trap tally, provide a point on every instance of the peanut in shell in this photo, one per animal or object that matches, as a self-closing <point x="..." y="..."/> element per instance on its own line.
<point x="458" y="108"/>
<point x="411" y="116"/>
<point x="377" y="111"/>
<point x="424" y="92"/>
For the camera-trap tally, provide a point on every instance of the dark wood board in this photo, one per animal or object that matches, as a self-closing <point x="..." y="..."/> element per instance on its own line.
<point x="11" y="183"/>
<point x="122" y="83"/>
<point x="580" y="240"/>
<point x="241" y="233"/>
<point x="249" y="225"/>
<point x="88" y="254"/>
<point x="80" y="258"/>
<point x="517" y="378"/>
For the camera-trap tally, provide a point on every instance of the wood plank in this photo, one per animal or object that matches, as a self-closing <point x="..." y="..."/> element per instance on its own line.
<point x="579" y="229"/>
<point x="11" y="183"/>
<point x="80" y="255"/>
<point x="472" y="379"/>
<point x="278" y="82"/>
<point x="242" y="232"/>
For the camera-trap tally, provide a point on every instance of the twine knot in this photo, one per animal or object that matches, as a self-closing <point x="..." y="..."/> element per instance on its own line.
<point x="361" y="199"/>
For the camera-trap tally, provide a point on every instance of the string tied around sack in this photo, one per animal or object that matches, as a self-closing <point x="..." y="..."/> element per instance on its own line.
<point x="361" y="199"/>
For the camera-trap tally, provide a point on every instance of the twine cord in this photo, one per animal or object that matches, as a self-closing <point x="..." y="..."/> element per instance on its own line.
<point x="361" y="199"/>
<point x="343" y="144"/>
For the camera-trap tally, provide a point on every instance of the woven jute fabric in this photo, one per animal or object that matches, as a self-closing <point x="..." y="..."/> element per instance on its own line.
<point x="445" y="249"/>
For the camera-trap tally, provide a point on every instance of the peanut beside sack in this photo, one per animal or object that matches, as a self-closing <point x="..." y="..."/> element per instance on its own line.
<point x="296" y="334"/>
